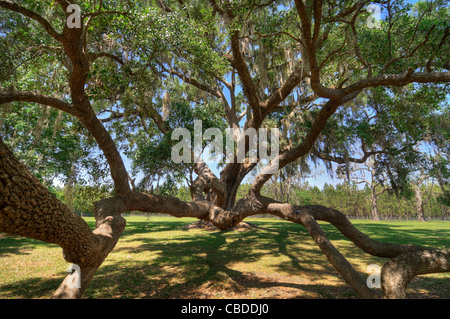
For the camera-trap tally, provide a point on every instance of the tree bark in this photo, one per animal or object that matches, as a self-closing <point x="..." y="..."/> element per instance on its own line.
<point x="398" y="272"/>
<point x="108" y="228"/>
<point x="28" y="209"/>
<point x="419" y="204"/>
<point x="374" y="197"/>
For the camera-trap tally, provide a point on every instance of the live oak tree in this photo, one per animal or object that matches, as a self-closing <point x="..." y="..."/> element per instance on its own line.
<point x="249" y="64"/>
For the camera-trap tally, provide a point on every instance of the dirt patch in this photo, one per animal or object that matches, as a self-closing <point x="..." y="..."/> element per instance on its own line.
<point x="207" y="225"/>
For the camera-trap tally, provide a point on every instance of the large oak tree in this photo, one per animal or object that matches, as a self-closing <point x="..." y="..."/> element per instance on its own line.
<point x="252" y="64"/>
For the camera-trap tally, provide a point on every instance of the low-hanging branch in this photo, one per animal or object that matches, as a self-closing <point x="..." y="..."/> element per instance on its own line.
<point x="109" y="224"/>
<point x="28" y="209"/>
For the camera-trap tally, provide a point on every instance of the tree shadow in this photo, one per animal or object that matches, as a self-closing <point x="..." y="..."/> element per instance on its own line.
<point x="435" y="238"/>
<point x="31" y="288"/>
<point x="199" y="261"/>
<point x="198" y="264"/>
<point x="202" y="261"/>
<point x="17" y="245"/>
<point x="152" y="226"/>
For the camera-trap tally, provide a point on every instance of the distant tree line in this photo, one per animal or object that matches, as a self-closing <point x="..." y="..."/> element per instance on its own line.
<point x="354" y="201"/>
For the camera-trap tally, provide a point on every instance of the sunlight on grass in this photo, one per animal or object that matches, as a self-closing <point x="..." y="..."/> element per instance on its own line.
<point x="157" y="257"/>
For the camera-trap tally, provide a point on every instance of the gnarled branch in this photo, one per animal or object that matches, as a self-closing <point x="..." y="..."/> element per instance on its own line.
<point x="33" y="97"/>
<point x="398" y="272"/>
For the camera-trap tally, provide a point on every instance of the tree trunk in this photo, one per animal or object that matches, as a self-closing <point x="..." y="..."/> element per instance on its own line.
<point x="419" y="204"/>
<point x="375" y="216"/>
<point x="232" y="176"/>
<point x="28" y="209"/>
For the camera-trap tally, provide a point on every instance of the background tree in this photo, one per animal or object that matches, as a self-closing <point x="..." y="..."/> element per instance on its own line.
<point x="359" y="175"/>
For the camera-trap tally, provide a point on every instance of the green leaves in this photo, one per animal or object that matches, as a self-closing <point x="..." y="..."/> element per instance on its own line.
<point x="135" y="47"/>
<point x="175" y="40"/>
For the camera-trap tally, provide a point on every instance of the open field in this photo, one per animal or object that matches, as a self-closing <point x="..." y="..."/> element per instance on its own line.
<point x="157" y="258"/>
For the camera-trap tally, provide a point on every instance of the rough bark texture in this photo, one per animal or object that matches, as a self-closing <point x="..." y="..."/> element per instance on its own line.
<point x="28" y="209"/>
<point x="108" y="228"/>
<point x="398" y="272"/>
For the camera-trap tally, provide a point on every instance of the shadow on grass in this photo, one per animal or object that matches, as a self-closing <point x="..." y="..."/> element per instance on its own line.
<point x="31" y="288"/>
<point x="195" y="263"/>
<point x="426" y="237"/>
<point x="17" y="245"/>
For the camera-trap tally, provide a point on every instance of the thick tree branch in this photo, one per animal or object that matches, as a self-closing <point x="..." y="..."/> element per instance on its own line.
<point x="292" y="154"/>
<point x="248" y="86"/>
<point x="32" y="97"/>
<point x="335" y="257"/>
<point x="201" y="209"/>
<point x="370" y="246"/>
<point x="397" y="80"/>
<point x="398" y="272"/>
<point x="109" y="225"/>
<point x="40" y="215"/>
<point x="104" y="140"/>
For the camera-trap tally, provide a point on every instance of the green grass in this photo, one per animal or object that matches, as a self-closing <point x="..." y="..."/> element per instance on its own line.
<point x="157" y="258"/>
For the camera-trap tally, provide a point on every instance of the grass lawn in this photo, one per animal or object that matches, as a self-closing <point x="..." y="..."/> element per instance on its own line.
<point x="157" y="258"/>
